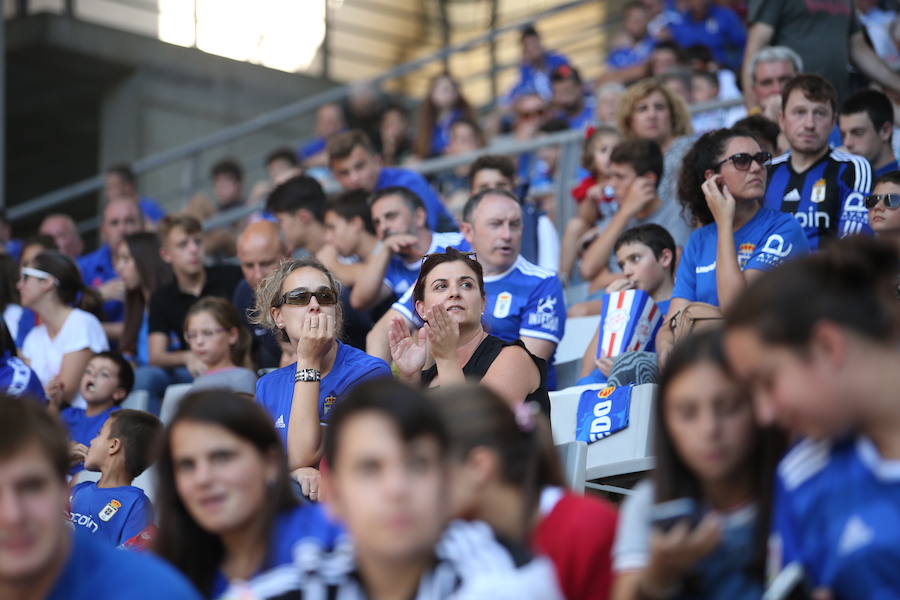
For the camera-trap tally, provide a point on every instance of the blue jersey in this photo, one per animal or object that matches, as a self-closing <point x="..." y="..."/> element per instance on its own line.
<point x="18" y="379"/>
<point x="721" y="31"/>
<point x="275" y="390"/>
<point x="624" y="57"/>
<point x="837" y="512"/>
<point x="827" y="199"/>
<point x="95" y="570"/>
<point x="114" y="514"/>
<point x="152" y="211"/>
<point x="888" y="168"/>
<point x="401" y="275"/>
<point x="438" y="218"/>
<point x="765" y="241"/>
<point x="96" y="269"/>
<point x="294" y="532"/>
<point x="82" y="428"/>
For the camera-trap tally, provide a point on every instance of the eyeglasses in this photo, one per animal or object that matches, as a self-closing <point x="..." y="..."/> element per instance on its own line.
<point x="37" y="274"/>
<point x="742" y="160"/>
<point x="301" y="297"/>
<point x="890" y="200"/>
<point x="469" y="255"/>
<point x="203" y="333"/>
<point x="530" y="114"/>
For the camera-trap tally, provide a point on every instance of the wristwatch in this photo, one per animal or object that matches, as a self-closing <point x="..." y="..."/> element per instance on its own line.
<point x="308" y="375"/>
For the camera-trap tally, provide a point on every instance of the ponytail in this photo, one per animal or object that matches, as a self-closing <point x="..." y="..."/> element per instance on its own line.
<point x="89" y="300"/>
<point x="70" y="288"/>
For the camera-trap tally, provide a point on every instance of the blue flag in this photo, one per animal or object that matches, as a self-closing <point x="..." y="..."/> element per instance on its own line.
<point x="602" y="413"/>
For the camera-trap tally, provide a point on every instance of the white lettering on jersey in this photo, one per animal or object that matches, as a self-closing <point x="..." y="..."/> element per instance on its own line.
<point x="775" y="246"/>
<point x="705" y="268"/>
<point x="84" y="521"/>
<point x="856" y="535"/>
<point x="815" y="219"/>
<point x="545" y="316"/>
<point x="279" y="422"/>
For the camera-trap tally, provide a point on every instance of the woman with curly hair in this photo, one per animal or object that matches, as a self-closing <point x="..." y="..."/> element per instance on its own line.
<point x="721" y="185"/>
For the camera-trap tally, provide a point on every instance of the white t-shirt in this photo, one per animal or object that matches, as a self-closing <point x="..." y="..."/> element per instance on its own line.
<point x="81" y="330"/>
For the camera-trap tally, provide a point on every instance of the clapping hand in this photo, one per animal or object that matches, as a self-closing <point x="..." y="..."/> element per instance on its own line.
<point x="442" y="332"/>
<point x="407" y="351"/>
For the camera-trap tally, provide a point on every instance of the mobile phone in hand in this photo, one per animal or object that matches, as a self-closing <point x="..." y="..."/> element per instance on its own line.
<point x="666" y="515"/>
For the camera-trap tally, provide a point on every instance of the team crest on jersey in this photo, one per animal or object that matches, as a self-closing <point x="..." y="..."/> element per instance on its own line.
<point x="545" y="316"/>
<point x="818" y="192"/>
<point x="745" y="251"/>
<point x="503" y="304"/>
<point x="329" y="403"/>
<point x="109" y="511"/>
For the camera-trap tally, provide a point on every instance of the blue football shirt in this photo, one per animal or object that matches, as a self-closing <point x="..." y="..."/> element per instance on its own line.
<point x="82" y="428"/>
<point x="765" y="241"/>
<point x="18" y="379"/>
<point x="96" y="269"/>
<point x="401" y="275"/>
<point x="439" y="218"/>
<point x="114" y="514"/>
<point x="275" y="390"/>
<point x="837" y="513"/>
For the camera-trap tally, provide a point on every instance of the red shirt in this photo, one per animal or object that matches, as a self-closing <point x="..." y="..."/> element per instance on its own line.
<point x="577" y="534"/>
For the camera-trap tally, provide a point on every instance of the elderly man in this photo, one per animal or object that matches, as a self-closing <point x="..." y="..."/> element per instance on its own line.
<point x="64" y="232"/>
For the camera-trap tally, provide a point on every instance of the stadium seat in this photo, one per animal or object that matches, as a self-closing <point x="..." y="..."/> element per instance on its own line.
<point x="567" y="360"/>
<point x="573" y="456"/>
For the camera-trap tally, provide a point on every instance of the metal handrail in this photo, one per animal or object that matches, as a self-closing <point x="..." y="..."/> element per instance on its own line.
<point x="270" y="118"/>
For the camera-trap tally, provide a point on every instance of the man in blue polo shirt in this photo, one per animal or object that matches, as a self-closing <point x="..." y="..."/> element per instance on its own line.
<point x="716" y="27"/>
<point x="867" y="127"/>
<point x="823" y="188"/>
<point x="357" y="166"/>
<point x="40" y="555"/>
<point x="121" y="217"/>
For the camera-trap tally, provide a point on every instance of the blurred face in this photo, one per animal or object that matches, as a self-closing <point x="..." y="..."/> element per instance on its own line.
<point x="639" y="265"/>
<point x="184" y="251"/>
<point x="882" y="219"/>
<point x="280" y="170"/>
<point x="393" y="125"/>
<point x="290" y="317"/>
<point x="662" y="60"/>
<point x="220" y="477"/>
<point x="799" y="392"/>
<point x="443" y="93"/>
<point x="100" y="382"/>
<point x="64" y="233"/>
<point x="702" y="90"/>
<point x="770" y="78"/>
<point x="391" y="494"/>
<point x="121" y="218"/>
<point x="651" y="118"/>
<point x="359" y="171"/>
<point x="329" y="120"/>
<point x="490" y="179"/>
<point x="806" y="123"/>
<point x="861" y="137"/>
<point x="341" y="233"/>
<point x="391" y="215"/>
<point x="259" y="255"/>
<point x="115" y="187"/>
<point x="32" y="289"/>
<point x="453" y="287"/>
<point x="125" y="267"/>
<point x="603" y="147"/>
<point x="227" y="189"/>
<point x="99" y="448"/>
<point x="495" y="232"/>
<point x="463" y="139"/>
<point x="743" y="184"/>
<point x="607" y="105"/>
<point x="33" y="502"/>
<point x="621" y="176"/>
<point x="677" y="87"/>
<point x="530" y="109"/>
<point x="208" y="340"/>
<point x="710" y="422"/>
<point x="292" y="229"/>
<point x="635" y="23"/>
<point x="567" y="94"/>
<point x="532" y="51"/>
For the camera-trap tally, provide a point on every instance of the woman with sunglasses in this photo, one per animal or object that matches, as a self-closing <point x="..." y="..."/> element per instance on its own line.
<point x="721" y="185"/>
<point x="882" y="204"/>
<point x="299" y="302"/>
<point x="449" y="297"/>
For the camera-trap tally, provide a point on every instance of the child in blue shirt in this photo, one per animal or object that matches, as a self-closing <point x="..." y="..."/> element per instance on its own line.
<point x="107" y="381"/>
<point x="112" y="509"/>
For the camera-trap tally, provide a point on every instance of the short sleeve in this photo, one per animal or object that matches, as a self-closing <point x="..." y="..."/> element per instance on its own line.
<point x="548" y="244"/>
<point x="785" y="241"/>
<point x="139" y="517"/>
<point x="82" y="330"/>
<point x="544" y="316"/>
<point x="686" y="276"/>
<point x="631" y="551"/>
<point x="406" y="306"/>
<point x="764" y="11"/>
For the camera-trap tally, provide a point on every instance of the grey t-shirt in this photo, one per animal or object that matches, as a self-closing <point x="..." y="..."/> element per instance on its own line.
<point x="818" y="31"/>
<point x="236" y="379"/>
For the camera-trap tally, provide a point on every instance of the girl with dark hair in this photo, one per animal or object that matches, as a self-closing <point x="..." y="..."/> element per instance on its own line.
<point x="711" y="455"/>
<point x="818" y="343"/>
<point x="443" y="106"/>
<point x="143" y="271"/>
<point x="449" y="297"/>
<point x="505" y="472"/>
<point x="19" y="321"/>
<point x="69" y="334"/>
<point x="226" y="509"/>
<point x="217" y="338"/>
<point x="721" y="184"/>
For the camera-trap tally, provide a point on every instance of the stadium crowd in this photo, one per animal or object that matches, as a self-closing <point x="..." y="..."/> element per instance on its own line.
<point x="348" y="395"/>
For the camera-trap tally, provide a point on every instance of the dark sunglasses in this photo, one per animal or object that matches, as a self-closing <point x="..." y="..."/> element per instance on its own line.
<point x="530" y="114"/>
<point x="301" y="297"/>
<point x="742" y="160"/>
<point x="890" y="200"/>
<point x="469" y="255"/>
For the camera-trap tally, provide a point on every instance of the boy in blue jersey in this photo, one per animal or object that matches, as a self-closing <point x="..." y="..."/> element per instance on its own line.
<point x="823" y="188"/>
<point x="40" y="556"/>
<point x="111" y="508"/>
<point x="107" y="381"/>
<point x="356" y="165"/>
<point x="867" y="127"/>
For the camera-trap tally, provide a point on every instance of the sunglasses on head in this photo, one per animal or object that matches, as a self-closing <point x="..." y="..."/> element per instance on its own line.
<point x="742" y="160"/>
<point x="469" y="255"/>
<point x="890" y="200"/>
<point x="301" y="297"/>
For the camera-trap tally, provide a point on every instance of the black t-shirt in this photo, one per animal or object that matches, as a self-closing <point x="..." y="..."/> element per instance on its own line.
<point x="482" y="359"/>
<point x="169" y="304"/>
<point x="266" y="350"/>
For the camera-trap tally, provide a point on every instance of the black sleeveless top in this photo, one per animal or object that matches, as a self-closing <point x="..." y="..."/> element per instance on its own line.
<point x="482" y="359"/>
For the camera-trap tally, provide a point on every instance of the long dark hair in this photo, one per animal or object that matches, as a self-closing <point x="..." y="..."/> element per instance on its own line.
<point x="70" y="288"/>
<point x="673" y="479"/>
<point x="703" y="155"/>
<point x="180" y="539"/>
<point x="477" y="417"/>
<point x="153" y="272"/>
<point x="9" y="275"/>
<point x="226" y="315"/>
<point x="429" y="114"/>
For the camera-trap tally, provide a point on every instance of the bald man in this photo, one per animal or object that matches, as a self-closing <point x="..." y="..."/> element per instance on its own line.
<point x="64" y="232"/>
<point x="260" y="249"/>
